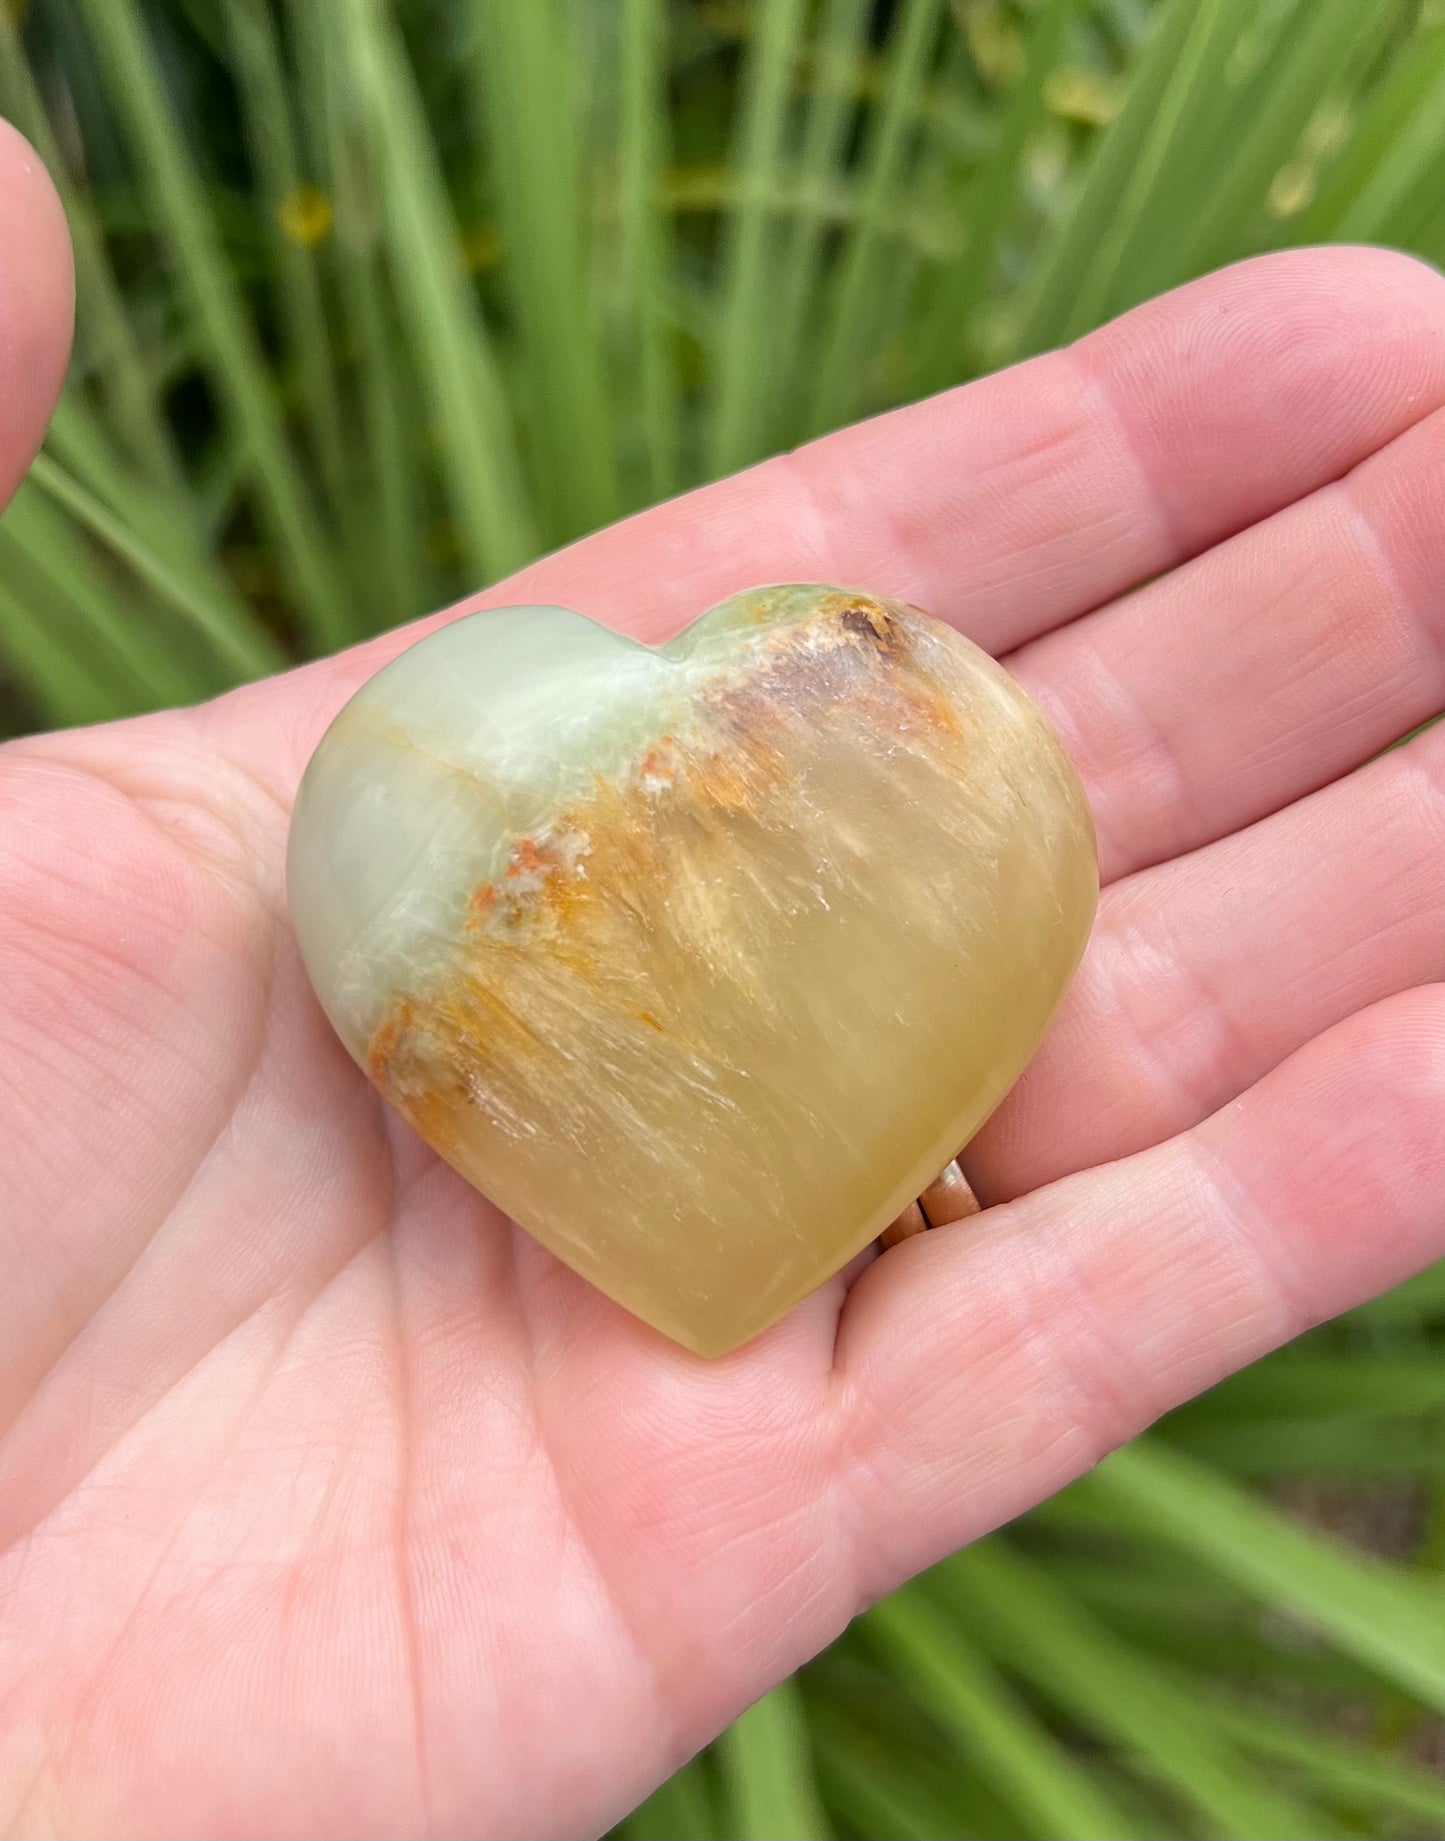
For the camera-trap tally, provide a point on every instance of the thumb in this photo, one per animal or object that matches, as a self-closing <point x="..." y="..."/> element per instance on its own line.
<point x="37" y="305"/>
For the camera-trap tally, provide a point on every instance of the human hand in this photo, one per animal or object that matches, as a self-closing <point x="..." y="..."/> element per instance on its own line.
<point x="328" y="1501"/>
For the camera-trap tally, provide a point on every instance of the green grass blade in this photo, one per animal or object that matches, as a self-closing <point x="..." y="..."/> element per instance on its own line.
<point x="53" y="571"/>
<point x="1126" y="263"/>
<point x="645" y="253"/>
<point x="988" y="204"/>
<point x="767" y="1772"/>
<point x="821" y="182"/>
<point x="858" y="1704"/>
<point x="862" y="280"/>
<point x="233" y="356"/>
<point x="449" y="341"/>
<point x="247" y="648"/>
<point x="1325" y="1387"/>
<point x="1347" y="1771"/>
<point x="682" y="1809"/>
<point x="744" y="373"/>
<point x="384" y="506"/>
<point x="1387" y="1618"/>
<point x="528" y="73"/>
<point x="52" y="667"/>
<point x="882" y="1787"/>
<point x="1056" y="1795"/>
<point x="923" y="226"/>
<point x="276" y="161"/>
<point x="1026" y="1621"/>
<point x="1397" y="142"/>
<point x="79" y="441"/>
<point x="1327" y="38"/>
<point x="106" y="342"/>
<point x="1047" y="308"/>
<point x="1367" y="1451"/>
<point x="1165" y="172"/>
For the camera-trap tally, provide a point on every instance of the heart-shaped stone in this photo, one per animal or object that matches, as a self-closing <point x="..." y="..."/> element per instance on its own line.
<point x="700" y="960"/>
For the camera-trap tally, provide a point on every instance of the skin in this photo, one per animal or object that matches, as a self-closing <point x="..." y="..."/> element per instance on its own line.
<point x="328" y="1502"/>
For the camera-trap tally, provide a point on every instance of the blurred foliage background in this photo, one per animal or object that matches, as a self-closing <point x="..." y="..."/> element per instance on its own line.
<point x="380" y="298"/>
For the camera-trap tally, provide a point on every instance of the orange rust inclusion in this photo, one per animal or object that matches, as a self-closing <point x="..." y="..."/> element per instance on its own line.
<point x="847" y="665"/>
<point x="673" y="1005"/>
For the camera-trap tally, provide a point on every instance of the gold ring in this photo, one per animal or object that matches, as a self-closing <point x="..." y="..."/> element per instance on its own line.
<point x="947" y="1199"/>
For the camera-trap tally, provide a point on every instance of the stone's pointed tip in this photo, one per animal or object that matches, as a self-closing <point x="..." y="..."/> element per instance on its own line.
<point x="700" y="962"/>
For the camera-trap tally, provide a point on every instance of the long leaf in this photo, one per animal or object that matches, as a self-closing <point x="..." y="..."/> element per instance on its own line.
<point x="528" y="72"/>
<point x="1398" y="142"/>
<point x="1022" y="1617"/>
<point x="256" y="59"/>
<point x="840" y="384"/>
<point x="1330" y="37"/>
<point x="1391" y="1621"/>
<point x="381" y="479"/>
<point x="988" y="203"/>
<point x="878" y="1787"/>
<point x="1349" y="1771"/>
<point x="233" y="356"/>
<point x="645" y="253"/>
<point x="450" y="344"/>
<point x="1046" y="311"/>
<point x="995" y="1731"/>
<point x="744" y="364"/>
<point x="767" y="1772"/>
<point x="1320" y="1386"/>
<point x="53" y="666"/>
<point x="821" y="182"/>
<point x="1154" y="194"/>
<point x="248" y="650"/>
<point x="48" y="564"/>
<point x="80" y="443"/>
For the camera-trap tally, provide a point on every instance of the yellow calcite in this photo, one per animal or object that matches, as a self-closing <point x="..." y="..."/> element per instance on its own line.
<point x="702" y="960"/>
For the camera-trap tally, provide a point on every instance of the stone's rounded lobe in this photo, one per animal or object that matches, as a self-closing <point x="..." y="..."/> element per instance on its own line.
<point x="700" y="960"/>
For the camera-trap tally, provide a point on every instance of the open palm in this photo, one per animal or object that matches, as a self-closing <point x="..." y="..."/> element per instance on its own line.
<point x="328" y="1501"/>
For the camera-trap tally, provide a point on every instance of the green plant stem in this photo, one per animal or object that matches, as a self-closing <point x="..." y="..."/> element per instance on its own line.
<point x="1029" y="1623"/>
<point x="272" y="140"/>
<point x="767" y="1772"/>
<point x="1027" y="1767"/>
<point x="1393" y="1622"/>
<point x="233" y="355"/>
<point x="527" y="72"/>
<point x="744" y="371"/>
<point x="248" y="650"/>
<point x="450" y="343"/>
<point x="821" y="183"/>
<point x="987" y="205"/>
<point x="645" y="251"/>
<point x="840" y="385"/>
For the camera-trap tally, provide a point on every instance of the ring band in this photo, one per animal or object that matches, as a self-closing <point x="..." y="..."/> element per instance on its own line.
<point x="947" y="1199"/>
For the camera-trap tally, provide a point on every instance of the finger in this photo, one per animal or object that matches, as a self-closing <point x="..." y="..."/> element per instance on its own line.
<point x="36" y="305"/>
<point x="1022" y="500"/>
<point x="1208" y="971"/>
<point x="1018" y="502"/>
<point x="1262" y="670"/>
<point x="982" y="1368"/>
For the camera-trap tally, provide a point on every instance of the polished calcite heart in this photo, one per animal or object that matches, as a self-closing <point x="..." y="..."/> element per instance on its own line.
<point x="700" y="960"/>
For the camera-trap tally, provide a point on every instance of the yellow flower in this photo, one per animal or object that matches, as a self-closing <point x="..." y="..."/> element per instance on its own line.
<point x="1083" y="95"/>
<point x="1293" y="189"/>
<point x="481" y="247"/>
<point x="304" y="214"/>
